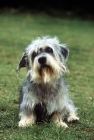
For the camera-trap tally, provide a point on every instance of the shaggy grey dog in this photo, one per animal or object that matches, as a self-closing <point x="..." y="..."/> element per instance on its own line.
<point x="44" y="95"/>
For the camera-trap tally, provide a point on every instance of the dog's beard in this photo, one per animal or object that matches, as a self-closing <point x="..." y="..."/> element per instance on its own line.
<point x="47" y="73"/>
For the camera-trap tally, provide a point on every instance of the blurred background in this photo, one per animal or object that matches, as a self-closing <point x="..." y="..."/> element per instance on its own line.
<point x="83" y="9"/>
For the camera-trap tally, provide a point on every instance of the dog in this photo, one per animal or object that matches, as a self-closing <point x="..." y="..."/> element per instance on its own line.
<point x="44" y="95"/>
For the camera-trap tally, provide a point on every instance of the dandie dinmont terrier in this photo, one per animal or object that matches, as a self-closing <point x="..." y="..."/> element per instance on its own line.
<point x="44" y="95"/>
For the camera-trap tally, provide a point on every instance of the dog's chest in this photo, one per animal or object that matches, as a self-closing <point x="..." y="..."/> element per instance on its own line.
<point x="45" y="94"/>
<point x="47" y="100"/>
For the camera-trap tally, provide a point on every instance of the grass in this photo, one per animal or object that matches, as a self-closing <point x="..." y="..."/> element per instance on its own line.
<point x="16" y="32"/>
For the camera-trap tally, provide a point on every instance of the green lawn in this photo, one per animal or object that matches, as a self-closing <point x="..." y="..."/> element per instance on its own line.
<point x="16" y="32"/>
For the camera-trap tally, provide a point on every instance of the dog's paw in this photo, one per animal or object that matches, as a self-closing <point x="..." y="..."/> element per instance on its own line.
<point x="63" y="124"/>
<point x="24" y="123"/>
<point x="27" y="121"/>
<point x="72" y="119"/>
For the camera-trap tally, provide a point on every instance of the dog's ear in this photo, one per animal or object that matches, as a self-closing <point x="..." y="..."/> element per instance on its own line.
<point x="64" y="52"/>
<point x="23" y="62"/>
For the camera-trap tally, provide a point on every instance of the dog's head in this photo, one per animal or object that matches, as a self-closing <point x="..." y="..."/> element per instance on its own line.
<point x="45" y="59"/>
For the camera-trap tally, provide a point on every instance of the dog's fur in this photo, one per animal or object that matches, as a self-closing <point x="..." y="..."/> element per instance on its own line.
<point x="44" y="95"/>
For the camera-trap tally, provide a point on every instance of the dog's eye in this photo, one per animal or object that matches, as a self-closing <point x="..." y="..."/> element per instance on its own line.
<point x="40" y="49"/>
<point x="49" y="50"/>
<point x="34" y="54"/>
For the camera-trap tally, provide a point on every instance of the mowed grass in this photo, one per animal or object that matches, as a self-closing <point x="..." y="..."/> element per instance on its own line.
<point x="16" y="32"/>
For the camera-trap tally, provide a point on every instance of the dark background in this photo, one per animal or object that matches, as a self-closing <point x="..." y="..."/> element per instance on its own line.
<point x="68" y="7"/>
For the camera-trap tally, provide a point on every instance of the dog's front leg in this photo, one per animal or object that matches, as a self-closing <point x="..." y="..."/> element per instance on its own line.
<point x="57" y="119"/>
<point x="72" y="113"/>
<point x="26" y="120"/>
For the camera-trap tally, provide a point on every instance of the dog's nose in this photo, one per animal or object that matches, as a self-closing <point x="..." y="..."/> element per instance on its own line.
<point x="42" y="60"/>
